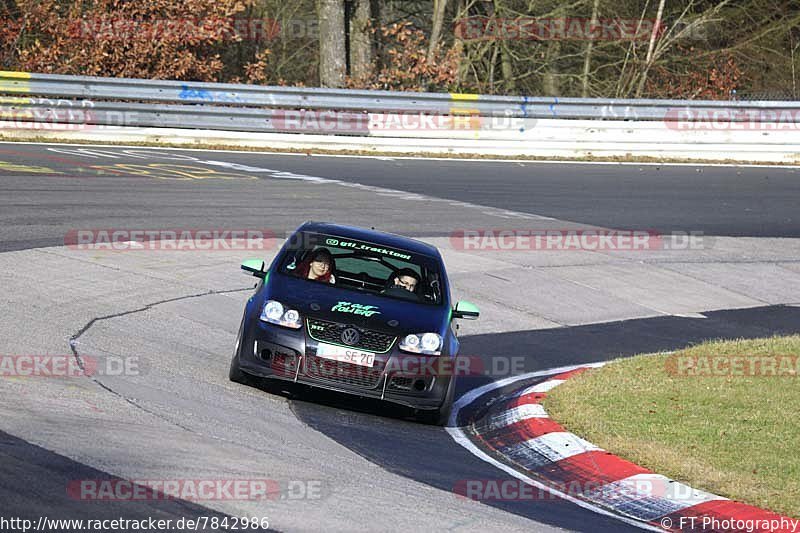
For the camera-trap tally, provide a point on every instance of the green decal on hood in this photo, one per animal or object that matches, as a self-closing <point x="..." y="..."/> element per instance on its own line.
<point x="356" y="309"/>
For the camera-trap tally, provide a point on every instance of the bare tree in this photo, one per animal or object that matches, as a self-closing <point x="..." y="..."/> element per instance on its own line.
<point x="439" y="8"/>
<point x="360" y="42"/>
<point x="332" y="55"/>
<point x="587" y="60"/>
<point x="648" y="62"/>
<point x="550" y="79"/>
<point x="507" y="69"/>
<point x="664" y="37"/>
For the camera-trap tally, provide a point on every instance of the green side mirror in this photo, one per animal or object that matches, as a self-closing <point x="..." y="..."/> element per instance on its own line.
<point x="254" y="266"/>
<point x="466" y="310"/>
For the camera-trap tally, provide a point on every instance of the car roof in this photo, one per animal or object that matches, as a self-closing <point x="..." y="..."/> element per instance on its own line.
<point x="376" y="237"/>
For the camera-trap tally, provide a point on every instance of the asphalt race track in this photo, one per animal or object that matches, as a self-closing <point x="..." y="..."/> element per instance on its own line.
<point x="340" y="464"/>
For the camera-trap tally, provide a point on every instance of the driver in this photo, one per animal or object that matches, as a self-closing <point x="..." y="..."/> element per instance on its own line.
<point x="405" y="278"/>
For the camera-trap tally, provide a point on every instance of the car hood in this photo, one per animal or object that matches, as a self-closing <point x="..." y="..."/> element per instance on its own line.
<point x="363" y="309"/>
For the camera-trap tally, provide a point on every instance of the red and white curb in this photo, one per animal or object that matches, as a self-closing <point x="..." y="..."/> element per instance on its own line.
<point x="538" y="451"/>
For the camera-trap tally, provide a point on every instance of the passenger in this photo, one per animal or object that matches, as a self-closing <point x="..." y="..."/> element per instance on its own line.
<point x="405" y="279"/>
<point x="319" y="266"/>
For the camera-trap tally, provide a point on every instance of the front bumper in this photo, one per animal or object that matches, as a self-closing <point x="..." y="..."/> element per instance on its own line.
<point x="274" y="352"/>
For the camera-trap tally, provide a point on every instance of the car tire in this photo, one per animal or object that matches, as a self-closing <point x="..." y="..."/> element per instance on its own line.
<point x="235" y="373"/>
<point x="440" y="417"/>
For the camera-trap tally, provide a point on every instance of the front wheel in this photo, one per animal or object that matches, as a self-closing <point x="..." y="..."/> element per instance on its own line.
<point x="235" y="373"/>
<point x="440" y="416"/>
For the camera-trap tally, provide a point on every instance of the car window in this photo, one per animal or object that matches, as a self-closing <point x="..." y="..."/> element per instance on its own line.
<point x="365" y="267"/>
<point x="355" y="265"/>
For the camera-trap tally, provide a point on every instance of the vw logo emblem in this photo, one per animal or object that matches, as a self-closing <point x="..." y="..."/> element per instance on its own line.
<point x="350" y="336"/>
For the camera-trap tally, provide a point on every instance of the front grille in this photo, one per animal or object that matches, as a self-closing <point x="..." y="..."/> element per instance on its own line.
<point x="344" y="373"/>
<point x="331" y="332"/>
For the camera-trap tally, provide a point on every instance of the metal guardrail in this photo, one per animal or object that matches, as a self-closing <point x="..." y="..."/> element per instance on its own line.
<point x="160" y="103"/>
<point x="94" y="113"/>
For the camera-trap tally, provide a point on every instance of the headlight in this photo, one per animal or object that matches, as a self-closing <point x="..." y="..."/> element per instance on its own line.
<point x="275" y="313"/>
<point x="424" y="343"/>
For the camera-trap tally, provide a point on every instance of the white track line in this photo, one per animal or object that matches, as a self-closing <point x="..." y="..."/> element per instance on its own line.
<point x="392" y="157"/>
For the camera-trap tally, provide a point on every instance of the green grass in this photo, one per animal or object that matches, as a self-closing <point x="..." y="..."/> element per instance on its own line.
<point x="736" y="436"/>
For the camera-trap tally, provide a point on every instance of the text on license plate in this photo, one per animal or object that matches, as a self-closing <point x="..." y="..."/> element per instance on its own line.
<point x="345" y="355"/>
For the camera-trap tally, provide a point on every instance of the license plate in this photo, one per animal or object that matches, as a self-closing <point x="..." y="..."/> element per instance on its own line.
<point x="345" y="355"/>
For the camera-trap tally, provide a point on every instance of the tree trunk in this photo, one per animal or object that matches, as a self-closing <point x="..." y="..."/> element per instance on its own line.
<point x="650" y="48"/>
<point x="587" y="59"/>
<point x="506" y="59"/>
<point x="462" y="10"/>
<point x="439" y="7"/>
<point x="332" y="55"/>
<point x="360" y="41"/>
<point x="509" y="85"/>
<point x="550" y="81"/>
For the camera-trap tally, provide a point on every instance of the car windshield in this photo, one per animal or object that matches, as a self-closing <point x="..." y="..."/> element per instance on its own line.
<point x="364" y="267"/>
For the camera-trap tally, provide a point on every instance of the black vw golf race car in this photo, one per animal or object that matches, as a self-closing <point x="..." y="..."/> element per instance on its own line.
<point x="356" y="311"/>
